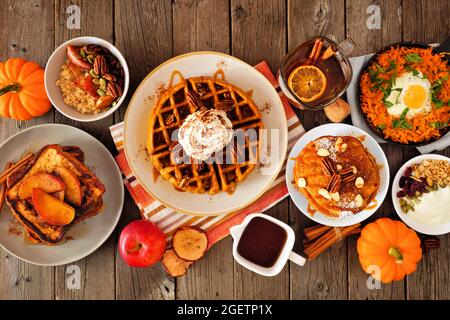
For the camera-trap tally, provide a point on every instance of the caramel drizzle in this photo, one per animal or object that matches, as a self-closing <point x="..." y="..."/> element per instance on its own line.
<point x="218" y="73"/>
<point x="172" y="78"/>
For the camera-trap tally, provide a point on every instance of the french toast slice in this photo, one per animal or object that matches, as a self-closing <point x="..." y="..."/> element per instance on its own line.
<point x="50" y="159"/>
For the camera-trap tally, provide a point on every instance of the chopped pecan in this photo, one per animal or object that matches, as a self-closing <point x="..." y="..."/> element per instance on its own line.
<point x="100" y="66"/>
<point x="224" y="105"/>
<point x="347" y="174"/>
<point x="183" y="181"/>
<point x="170" y="119"/>
<point x="201" y="90"/>
<point x="328" y="166"/>
<point x="335" y="183"/>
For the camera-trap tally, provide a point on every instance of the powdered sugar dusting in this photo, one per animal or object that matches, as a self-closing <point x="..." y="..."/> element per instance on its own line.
<point x="328" y="144"/>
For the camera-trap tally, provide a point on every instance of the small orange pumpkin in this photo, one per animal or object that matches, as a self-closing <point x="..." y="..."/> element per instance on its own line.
<point x="22" y="91"/>
<point x="388" y="250"/>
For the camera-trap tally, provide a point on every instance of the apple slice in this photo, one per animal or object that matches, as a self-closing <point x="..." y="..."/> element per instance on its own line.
<point x="190" y="243"/>
<point x="52" y="210"/>
<point x="43" y="181"/>
<point x="174" y="265"/>
<point x="58" y="195"/>
<point x="73" y="53"/>
<point x="74" y="193"/>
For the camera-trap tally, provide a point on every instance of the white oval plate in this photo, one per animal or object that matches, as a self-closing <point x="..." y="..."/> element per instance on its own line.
<point x="88" y="235"/>
<point x="424" y="228"/>
<point x="237" y="73"/>
<point x="337" y="129"/>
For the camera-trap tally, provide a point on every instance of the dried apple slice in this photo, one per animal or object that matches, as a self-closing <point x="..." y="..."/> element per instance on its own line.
<point x="190" y="243"/>
<point x="173" y="264"/>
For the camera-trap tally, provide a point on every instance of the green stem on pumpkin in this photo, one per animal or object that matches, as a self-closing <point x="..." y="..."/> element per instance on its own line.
<point x="396" y="254"/>
<point x="13" y="87"/>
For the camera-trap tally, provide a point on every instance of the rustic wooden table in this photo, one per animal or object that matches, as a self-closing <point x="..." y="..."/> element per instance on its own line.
<point x="150" y="32"/>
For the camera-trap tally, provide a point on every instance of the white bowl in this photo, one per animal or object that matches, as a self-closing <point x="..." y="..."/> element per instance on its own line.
<point x="53" y="69"/>
<point x="338" y="129"/>
<point x="235" y="72"/>
<point x="421" y="227"/>
<point x="87" y="236"/>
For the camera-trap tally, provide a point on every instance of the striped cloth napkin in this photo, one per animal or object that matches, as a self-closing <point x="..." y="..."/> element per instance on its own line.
<point x="216" y="227"/>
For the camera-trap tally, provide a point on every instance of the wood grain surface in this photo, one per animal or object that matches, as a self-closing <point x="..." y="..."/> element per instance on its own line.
<point x="150" y="32"/>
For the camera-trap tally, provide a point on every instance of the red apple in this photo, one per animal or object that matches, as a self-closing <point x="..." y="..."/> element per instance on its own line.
<point x="142" y="244"/>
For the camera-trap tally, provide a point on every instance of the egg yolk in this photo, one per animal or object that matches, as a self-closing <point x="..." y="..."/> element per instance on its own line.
<point x="415" y="96"/>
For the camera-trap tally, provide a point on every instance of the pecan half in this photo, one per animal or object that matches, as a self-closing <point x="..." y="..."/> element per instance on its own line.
<point x="347" y="174"/>
<point x="109" y="77"/>
<point x="194" y="100"/>
<point x="100" y="66"/>
<point x="328" y="166"/>
<point x="430" y="243"/>
<point x="335" y="183"/>
<point x="224" y="105"/>
<point x="113" y="89"/>
<point x="92" y="49"/>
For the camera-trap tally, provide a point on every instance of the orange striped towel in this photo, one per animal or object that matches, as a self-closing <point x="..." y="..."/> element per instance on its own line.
<point x="217" y="227"/>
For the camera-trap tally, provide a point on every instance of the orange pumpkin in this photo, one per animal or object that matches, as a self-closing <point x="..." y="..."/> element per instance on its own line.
<point x="22" y="91"/>
<point x="388" y="250"/>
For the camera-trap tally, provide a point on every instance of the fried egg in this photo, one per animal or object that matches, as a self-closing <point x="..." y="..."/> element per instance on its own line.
<point x="410" y="91"/>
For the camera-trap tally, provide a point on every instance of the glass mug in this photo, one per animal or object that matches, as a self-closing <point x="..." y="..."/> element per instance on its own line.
<point x="337" y="70"/>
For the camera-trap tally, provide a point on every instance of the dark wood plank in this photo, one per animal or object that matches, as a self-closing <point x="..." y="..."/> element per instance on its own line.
<point x="143" y="33"/>
<point x="195" y="27"/>
<point x="97" y="270"/>
<point x="319" y="279"/>
<point x="21" y="280"/>
<point x="201" y="25"/>
<point x="428" y="22"/>
<point x="259" y="33"/>
<point x="367" y="41"/>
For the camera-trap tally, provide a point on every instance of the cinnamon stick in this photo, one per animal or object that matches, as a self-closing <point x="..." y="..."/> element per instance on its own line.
<point x="3" y="189"/>
<point x="314" y="49"/>
<point x="318" y="51"/>
<point x="14" y="167"/>
<point x="328" y="239"/>
<point x="315" y="231"/>
<point x="329" y="52"/>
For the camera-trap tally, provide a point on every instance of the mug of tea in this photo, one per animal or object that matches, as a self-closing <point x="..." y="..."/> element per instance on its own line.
<point x="316" y="73"/>
<point x="264" y="244"/>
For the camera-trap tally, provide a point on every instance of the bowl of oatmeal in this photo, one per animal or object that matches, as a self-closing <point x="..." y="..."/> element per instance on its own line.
<point x="86" y="79"/>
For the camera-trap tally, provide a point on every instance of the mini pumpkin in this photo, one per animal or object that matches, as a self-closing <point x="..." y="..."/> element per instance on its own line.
<point x="388" y="250"/>
<point x="22" y="91"/>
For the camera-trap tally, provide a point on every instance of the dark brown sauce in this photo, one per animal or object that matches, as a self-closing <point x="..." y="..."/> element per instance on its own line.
<point x="262" y="242"/>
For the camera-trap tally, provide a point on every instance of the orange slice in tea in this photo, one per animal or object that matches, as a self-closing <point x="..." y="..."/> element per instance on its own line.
<point x="308" y="83"/>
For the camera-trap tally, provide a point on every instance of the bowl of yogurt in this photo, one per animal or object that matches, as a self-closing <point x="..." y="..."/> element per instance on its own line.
<point x="421" y="194"/>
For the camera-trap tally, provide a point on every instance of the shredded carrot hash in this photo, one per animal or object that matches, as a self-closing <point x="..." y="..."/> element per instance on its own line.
<point x="393" y="63"/>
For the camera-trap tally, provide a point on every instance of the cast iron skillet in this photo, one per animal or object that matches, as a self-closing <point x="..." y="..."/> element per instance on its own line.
<point x="444" y="47"/>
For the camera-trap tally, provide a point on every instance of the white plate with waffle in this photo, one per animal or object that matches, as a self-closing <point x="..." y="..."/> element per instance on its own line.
<point x="273" y="138"/>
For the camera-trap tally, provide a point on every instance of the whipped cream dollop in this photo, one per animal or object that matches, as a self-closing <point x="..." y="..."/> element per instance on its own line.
<point x="205" y="132"/>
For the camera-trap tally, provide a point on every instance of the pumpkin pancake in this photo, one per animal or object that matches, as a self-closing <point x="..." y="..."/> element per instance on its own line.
<point x="337" y="175"/>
